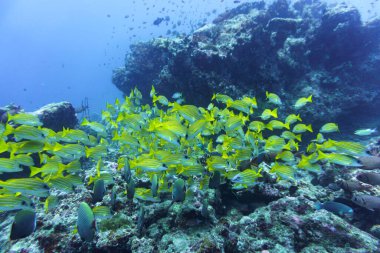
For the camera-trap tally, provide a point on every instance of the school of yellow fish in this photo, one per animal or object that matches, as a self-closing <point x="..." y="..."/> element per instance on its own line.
<point x="166" y="142"/>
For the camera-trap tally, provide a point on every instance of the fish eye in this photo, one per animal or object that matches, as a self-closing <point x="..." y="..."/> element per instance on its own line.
<point x="46" y="186"/>
<point x="23" y="203"/>
<point x="164" y="165"/>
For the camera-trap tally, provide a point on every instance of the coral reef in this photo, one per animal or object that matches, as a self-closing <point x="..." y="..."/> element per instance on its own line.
<point x="166" y="177"/>
<point x="293" y="50"/>
<point x="271" y="215"/>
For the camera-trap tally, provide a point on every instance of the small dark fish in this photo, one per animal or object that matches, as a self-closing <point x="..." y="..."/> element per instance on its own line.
<point x="367" y="201"/>
<point x="154" y="186"/>
<point x="369" y="178"/>
<point x="214" y="180"/>
<point x="179" y="190"/>
<point x="99" y="191"/>
<point x="131" y="190"/>
<point x="336" y="208"/>
<point x="86" y="224"/>
<point x="158" y="21"/>
<point x="352" y="185"/>
<point x="23" y="225"/>
<point x="370" y="162"/>
<point x="204" y="211"/>
<point x="140" y="219"/>
<point x="127" y="174"/>
<point x="113" y="197"/>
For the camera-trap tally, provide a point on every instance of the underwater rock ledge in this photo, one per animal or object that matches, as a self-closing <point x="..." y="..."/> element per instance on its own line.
<point x="54" y="116"/>
<point x="293" y="50"/>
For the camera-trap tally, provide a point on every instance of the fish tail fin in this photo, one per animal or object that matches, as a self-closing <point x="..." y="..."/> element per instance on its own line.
<point x="5" y="146"/>
<point x="321" y="155"/>
<point x="9" y="117"/>
<point x="267" y="94"/>
<point x="310" y="98"/>
<point x="269" y="127"/>
<point x="274" y="113"/>
<point x="87" y="151"/>
<point x="154" y="98"/>
<point x="8" y="130"/>
<point x="299" y="137"/>
<point x="287" y="126"/>
<point x="309" y="128"/>
<point x="299" y="117"/>
<point x="132" y="164"/>
<point x="91" y="180"/>
<point x="213" y="96"/>
<point x="34" y="171"/>
<point x="85" y="122"/>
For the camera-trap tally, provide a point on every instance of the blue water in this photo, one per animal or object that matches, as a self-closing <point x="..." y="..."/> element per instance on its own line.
<point x="65" y="50"/>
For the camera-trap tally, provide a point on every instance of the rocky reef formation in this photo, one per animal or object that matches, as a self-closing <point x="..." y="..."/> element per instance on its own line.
<point x="293" y="50"/>
<point x="55" y="116"/>
<point x="279" y="217"/>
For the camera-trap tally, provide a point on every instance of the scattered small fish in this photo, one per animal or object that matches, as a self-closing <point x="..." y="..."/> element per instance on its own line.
<point x="292" y="118"/>
<point x="329" y="128"/>
<point x="365" y="132"/>
<point x="336" y="208"/>
<point x="301" y="102"/>
<point x="301" y="128"/>
<point x="273" y="98"/>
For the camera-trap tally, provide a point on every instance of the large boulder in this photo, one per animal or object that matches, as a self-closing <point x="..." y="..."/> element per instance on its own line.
<point x="293" y="50"/>
<point x="56" y="116"/>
